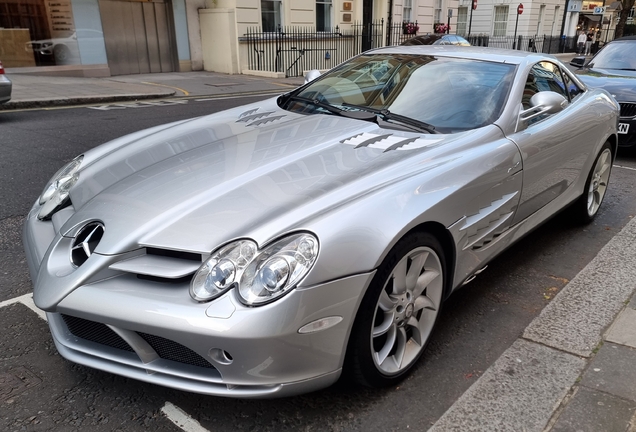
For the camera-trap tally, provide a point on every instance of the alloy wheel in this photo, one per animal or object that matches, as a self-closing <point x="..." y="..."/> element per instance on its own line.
<point x="406" y="310"/>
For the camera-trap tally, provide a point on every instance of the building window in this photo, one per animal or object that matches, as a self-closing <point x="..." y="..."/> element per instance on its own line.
<point x="271" y="15"/>
<point x="462" y="17"/>
<point x="407" y="11"/>
<point x="438" y="11"/>
<point x="556" y="17"/>
<point x="540" y="22"/>
<point x="500" y="25"/>
<point x="323" y="15"/>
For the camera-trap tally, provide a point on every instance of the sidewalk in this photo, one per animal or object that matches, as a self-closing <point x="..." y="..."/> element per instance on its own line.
<point x="574" y="367"/>
<point x="33" y="91"/>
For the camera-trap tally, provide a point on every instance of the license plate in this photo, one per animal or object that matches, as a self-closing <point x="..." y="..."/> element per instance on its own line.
<point x="623" y="128"/>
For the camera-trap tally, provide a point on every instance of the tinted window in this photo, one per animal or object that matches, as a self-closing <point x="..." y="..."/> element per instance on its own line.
<point x="451" y="94"/>
<point x="544" y="76"/>
<point x="573" y="89"/>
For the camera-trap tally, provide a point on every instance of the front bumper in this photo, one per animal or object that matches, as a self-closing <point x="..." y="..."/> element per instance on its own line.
<point x="627" y="139"/>
<point x="247" y="352"/>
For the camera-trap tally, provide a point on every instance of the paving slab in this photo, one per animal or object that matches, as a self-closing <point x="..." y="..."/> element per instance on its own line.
<point x="613" y="370"/>
<point x="632" y="303"/>
<point x="623" y="330"/>
<point x="517" y="393"/>
<point x="575" y="320"/>
<point x="594" y="411"/>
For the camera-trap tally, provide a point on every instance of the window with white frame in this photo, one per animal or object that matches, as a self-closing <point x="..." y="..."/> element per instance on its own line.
<point x="407" y="11"/>
<point x="554" y="21"/>
<point x="462" y="18"/>
<point x="500" y="23"/>
<point x="323" y="15"/>
<point x="271" y="15"/>
<point x="540" y="21"/>
<point x="438" y="11"/>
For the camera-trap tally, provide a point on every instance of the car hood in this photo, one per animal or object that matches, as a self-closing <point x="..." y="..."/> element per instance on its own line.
<point x="257" y="172"/>
<point x="621" y="84"/>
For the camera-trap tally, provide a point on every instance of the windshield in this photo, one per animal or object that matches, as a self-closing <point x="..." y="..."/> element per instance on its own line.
<point x="617" y="55"/>
<point x="449" y="94"/>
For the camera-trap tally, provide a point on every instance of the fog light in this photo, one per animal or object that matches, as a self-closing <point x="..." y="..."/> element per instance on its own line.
<point x="220" y="356"/>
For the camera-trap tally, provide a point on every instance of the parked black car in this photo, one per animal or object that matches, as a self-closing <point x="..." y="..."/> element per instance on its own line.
<point x="613" y="68"/>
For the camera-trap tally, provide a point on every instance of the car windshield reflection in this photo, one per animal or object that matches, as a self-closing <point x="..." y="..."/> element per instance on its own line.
<point x="451" y="94"/>
<point x="617" y="55"/>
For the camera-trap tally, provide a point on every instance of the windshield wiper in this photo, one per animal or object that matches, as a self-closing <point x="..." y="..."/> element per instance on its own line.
<point x="359" y="115"/>
<point x="368" y="114"/>
<point x="388" y="116"/>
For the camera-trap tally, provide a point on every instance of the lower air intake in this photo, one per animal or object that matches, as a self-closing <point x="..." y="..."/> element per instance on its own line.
<point x="102" y="334"/>
<point x="95" y="332"/>
<point x="169" y="350"/>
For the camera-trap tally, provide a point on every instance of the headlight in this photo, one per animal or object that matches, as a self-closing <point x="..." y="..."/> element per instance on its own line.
<point x="222" y="270"/>
<point x="259" y="276"/>
<point x="57" y="190"/>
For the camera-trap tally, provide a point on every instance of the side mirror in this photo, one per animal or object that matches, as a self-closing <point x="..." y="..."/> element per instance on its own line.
<point x="311" y="75"/>
<point x="545" y="102"/>
<point x="578" y="61"/>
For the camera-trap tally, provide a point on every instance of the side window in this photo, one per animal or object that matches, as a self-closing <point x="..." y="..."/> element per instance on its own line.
<point x="544" y="76"/>
<point x="573" y="89"/>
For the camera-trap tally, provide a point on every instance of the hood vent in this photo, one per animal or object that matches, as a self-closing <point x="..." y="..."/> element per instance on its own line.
<point x="389" y="142"/>
<point x="373" y="140"/>
<point x="246" y="113"/>
<point x="250" y="117"/>
<point x="257" y="118"/>
<point x="266" y="120"/>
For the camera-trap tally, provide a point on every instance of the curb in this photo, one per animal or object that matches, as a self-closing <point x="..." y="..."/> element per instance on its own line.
<point x="83" y="100"/>
<point x="526" y="385"/>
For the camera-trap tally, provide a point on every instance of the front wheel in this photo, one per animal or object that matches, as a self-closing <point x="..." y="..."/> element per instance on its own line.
<point x="398" y="312"/>
<point x="588" y="204"/>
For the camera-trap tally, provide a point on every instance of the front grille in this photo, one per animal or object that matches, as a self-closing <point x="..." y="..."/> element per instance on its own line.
<point x="628" y="109"/>
<point x="102" y="334"/>
<point x="169" y="350"/>
<point x="95" y="332"/>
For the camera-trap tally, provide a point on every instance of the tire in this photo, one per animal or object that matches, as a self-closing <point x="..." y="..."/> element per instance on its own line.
<point x="62" y="54"/>
<point x="587" y="206"/>
<point x="398" y="312"/>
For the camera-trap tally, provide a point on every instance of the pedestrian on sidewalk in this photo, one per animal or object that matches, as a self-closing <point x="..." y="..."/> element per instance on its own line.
<point x="588" y="43"/>
<point x="581" y="42"/>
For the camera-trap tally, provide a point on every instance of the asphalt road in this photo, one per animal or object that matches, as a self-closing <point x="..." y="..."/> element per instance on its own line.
<point x="477" y="324"/>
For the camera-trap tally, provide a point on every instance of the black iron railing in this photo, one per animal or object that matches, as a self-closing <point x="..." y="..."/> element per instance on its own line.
<point x="293" y="50"/>
<point x="537" y="43"/>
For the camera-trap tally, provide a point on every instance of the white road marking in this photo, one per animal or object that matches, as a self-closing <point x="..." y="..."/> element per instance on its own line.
<point x="180" y="418"/>
<point x="141" y="104"/>
<point x="26" y="300"/>
<point x="624" y="167"/>
<point x="237" y="97"/>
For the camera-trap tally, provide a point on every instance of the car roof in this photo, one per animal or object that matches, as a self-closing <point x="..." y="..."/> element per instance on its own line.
<point x="469" y="52"/>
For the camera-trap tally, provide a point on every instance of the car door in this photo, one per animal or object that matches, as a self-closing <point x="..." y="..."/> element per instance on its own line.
<point x="550" y="145"/>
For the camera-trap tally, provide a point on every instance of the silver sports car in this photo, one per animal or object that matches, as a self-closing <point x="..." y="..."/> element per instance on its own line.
<point x="264" y="250"/>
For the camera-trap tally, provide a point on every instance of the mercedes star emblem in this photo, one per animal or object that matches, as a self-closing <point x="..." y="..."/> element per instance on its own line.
<point x="85" y="242"/>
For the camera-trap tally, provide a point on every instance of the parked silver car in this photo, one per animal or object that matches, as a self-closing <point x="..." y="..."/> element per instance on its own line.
<point x="5" y="86"/>
<point x="261" y="251"/>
